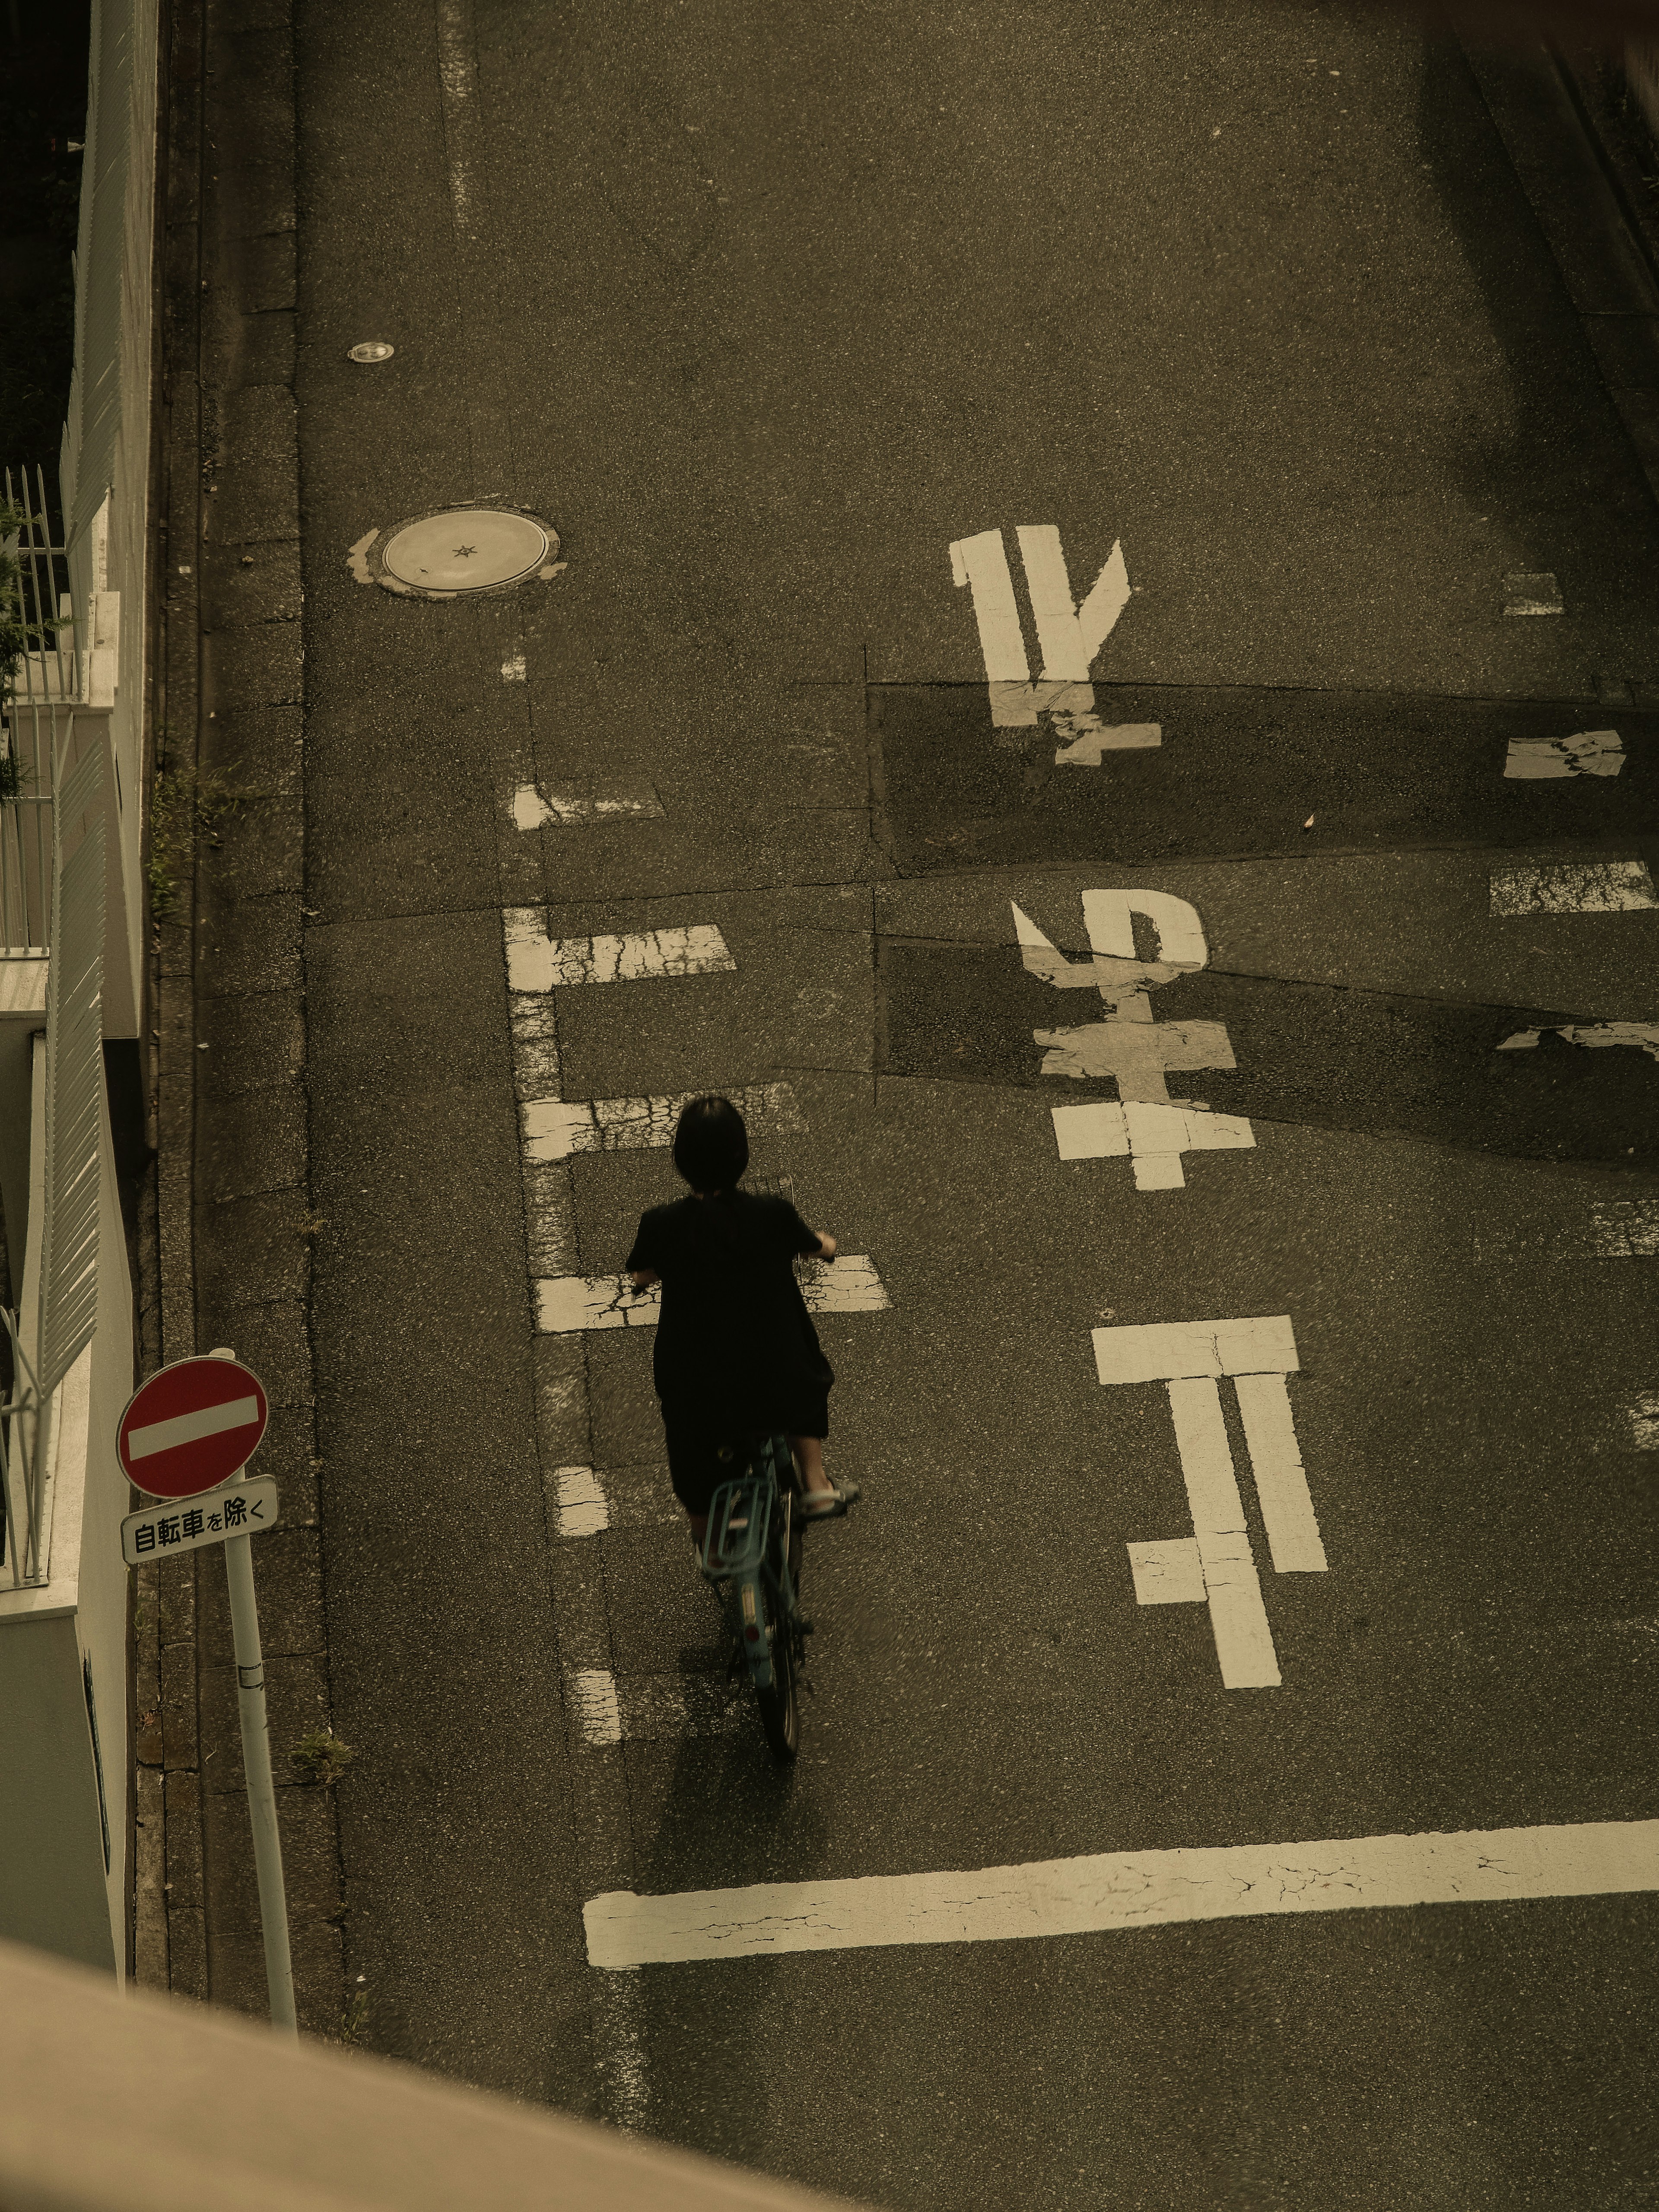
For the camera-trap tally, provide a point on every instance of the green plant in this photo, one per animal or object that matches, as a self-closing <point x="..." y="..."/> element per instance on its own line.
<point x="354" y="2021"/>
<point x="321" y="1758"/>
<point x="17" y="636"/>
<point x="184" y="802"/>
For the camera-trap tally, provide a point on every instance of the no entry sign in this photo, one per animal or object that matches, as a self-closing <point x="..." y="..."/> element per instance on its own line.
<point x="191" y="1427"/>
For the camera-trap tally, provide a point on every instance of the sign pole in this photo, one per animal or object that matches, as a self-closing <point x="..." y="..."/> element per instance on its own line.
<point x="188" y="1433"/>
<point x="261" y="1792"/>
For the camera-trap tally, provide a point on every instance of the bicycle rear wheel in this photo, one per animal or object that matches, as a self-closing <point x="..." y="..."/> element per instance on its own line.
<point x="779" y="1709"/>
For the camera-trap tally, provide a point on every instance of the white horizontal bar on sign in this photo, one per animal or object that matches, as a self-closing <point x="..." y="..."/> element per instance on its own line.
<point x="1572" y="887"/>
<point x="537" y="962"/>
<point x="555" y="1129"/>
<point x="568" y="1303"/>
<point x="1166" y="1351"/>
<point x="191" y="1428"/>
<point x="1125" y="1890"/>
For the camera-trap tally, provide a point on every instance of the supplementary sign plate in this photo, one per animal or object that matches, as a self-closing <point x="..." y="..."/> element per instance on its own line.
<point x="242" y="1510"/>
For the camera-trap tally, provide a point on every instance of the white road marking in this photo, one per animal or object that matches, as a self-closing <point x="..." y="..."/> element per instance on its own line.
<point x="1643" y="1418"/>
<point x="513" y="670"/>
<point x="1588" y="752"/>
<point x="1068" y="636"/>
<point x="1534" y="593"/>
<point x="534" y="809"/>
<point x="1095" y="738"/>
<point x="1128" y="1045"/>
<point x="619" y="2038"/>
<point x="1169" y="1350"/>
<point x="1238" y="1619"/>
<point x="537" y="962"/>
<point x="566" y="1304"/>
<point x="584" y="1509"/>
<point x="1126" y="1890"/>
<point x="1625" y="1229"/>
<point x="1643" y="1035"/>
<point x="1190" y="1358"/>
<point x="1572" y="887"/>
<point x="1281" y="1481"/>
<point x="555" y="1129"/>
<point x="594" y="1690"/>
<point x="190" y="1428"/>
<point x="1168" y="1572"/>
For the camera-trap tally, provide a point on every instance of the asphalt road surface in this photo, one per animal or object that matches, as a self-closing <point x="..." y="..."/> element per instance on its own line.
<point x="778" y="318"/>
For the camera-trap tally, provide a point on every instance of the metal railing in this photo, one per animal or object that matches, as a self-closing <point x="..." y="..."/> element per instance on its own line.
<point x="36" y="708"/>
<point x="22" y="1516"/>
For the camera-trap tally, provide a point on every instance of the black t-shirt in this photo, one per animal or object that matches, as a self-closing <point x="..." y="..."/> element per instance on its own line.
<point x="735" y="1344"/>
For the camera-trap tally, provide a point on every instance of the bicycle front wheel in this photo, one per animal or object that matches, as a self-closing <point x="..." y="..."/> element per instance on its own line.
<point x="779" y="1709"/>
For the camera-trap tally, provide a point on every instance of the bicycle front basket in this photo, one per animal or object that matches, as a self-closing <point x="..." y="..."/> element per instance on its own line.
<point x="739" y="1517"/>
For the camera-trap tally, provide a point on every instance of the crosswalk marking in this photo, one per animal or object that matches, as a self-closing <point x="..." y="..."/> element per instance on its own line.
<point x="1123" y="1890"/>
<point x="537" y="962"/>
<point x="568" y="1303"/>
<point x="556" y="1129"/>
<point x="1588" y="752"/>
<point x="1571" y="887"/>
<point x="534" y="809"/>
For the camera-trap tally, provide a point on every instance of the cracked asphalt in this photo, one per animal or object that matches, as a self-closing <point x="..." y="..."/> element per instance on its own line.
<point x="763" y="310"/>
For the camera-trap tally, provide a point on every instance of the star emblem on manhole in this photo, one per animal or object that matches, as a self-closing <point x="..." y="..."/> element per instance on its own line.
<point x="463" y="551"/>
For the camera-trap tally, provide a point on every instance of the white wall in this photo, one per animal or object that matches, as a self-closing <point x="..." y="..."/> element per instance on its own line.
<point x="55" y="1890"/>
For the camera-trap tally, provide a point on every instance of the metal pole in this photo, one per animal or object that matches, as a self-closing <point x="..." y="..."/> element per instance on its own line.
<point x="261" y="1794"/>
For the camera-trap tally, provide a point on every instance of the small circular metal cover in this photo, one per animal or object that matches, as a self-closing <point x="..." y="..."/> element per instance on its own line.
<point x="456" y="551"/>
<point x="371" y="349"/>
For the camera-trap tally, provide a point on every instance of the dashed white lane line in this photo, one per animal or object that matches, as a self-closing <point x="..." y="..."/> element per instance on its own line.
<point x="556" y="1129"/>
<point x="1643" y="1418"/>
<point x="568" y="1303"/>
<point x="1587" y="752"/>
<point x="594" y="1694"/>
<point x="1123" y="1890"/>
<point x="1572" y="887"/>
<point x="1596" y="1035"/>
<point x="537" y="962"/>
<point x="534" y="809"/>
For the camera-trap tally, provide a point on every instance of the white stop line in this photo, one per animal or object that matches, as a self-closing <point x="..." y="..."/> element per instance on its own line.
<point x="1126" y="1889"/>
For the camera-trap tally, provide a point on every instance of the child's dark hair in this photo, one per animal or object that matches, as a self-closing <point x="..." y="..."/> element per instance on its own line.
<point x="711" y="1145"/>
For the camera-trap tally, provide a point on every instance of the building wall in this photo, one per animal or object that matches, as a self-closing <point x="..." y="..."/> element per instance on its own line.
<point x="56" y="1890"/>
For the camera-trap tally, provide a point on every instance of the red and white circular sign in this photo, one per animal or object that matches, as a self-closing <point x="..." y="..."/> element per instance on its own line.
<point x="191" y="1427"/>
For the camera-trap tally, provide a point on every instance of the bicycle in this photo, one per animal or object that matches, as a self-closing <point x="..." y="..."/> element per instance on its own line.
<point x="754" y="1541"/>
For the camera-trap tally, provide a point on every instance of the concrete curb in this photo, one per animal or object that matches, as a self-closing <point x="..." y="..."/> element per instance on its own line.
<point x="233" y="1219"/>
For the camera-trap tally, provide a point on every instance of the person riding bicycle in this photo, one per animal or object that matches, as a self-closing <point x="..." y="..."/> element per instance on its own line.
<point x="736" y="1357"/>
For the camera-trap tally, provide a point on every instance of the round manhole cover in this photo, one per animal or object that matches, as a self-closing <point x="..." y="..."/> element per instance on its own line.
<point x="466" y="549"/>
<point x="456" y="550"/>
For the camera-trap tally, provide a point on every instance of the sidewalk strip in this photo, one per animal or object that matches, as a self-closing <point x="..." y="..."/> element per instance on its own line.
<point x="1129" y="1889"/>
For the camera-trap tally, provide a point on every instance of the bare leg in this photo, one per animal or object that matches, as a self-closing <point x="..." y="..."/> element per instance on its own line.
<point x="699" y="1530"/>
<point x="809" y="1457"/>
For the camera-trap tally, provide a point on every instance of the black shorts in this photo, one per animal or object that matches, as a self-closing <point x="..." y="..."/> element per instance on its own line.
<point x="701" y="1457"/>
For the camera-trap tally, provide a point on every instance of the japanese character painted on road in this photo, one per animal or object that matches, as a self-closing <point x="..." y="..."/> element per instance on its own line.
<point x="1129" y="1045"/>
